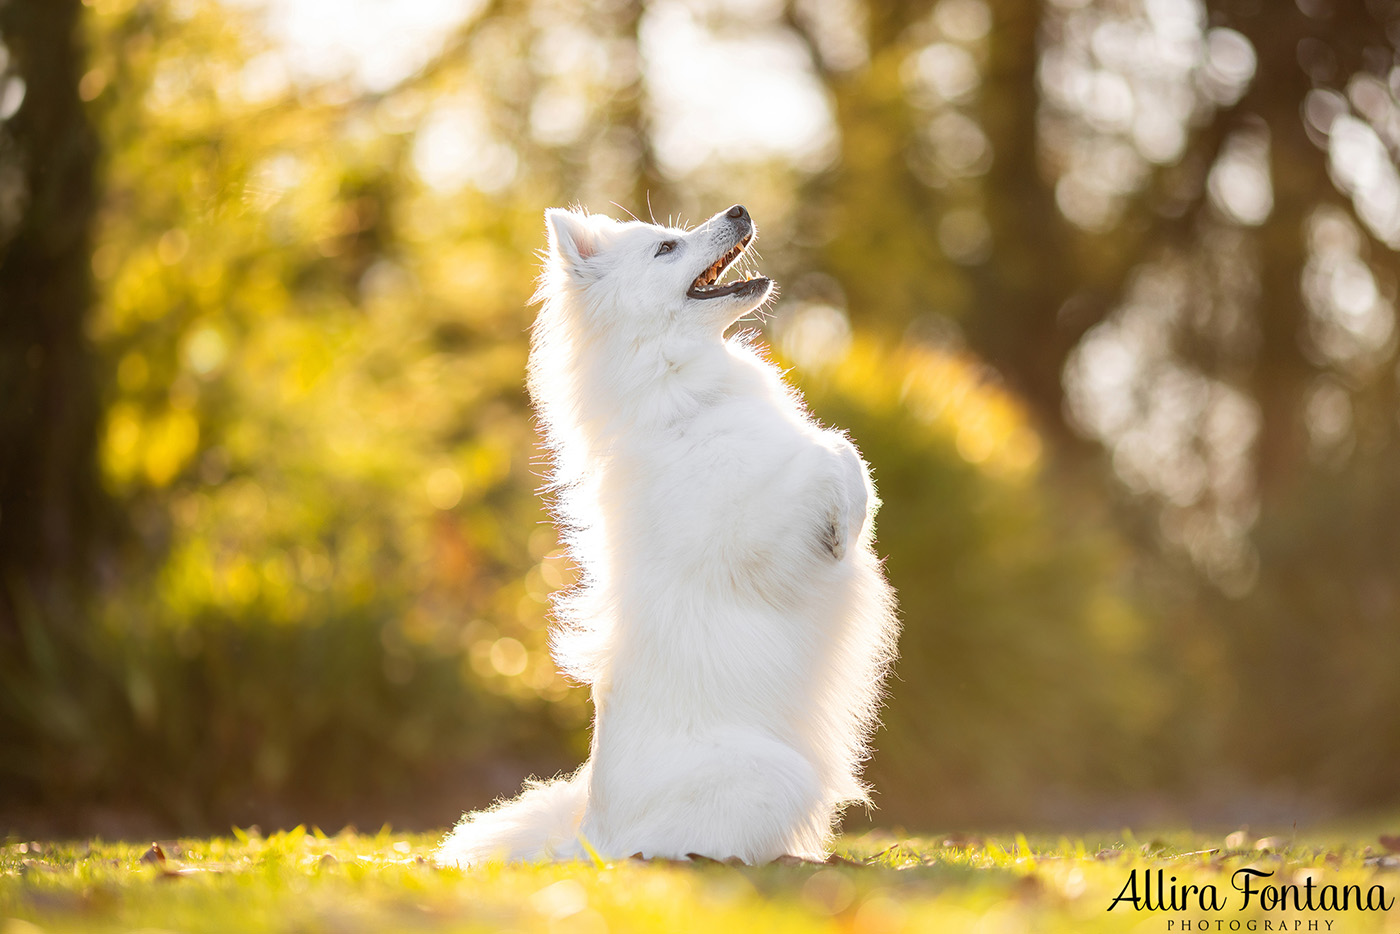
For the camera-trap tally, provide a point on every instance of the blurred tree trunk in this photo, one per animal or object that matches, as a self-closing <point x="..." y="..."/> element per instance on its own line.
<point x="1018" y="324"/>
<point x="51" y="503"/>
<point x="1299" y="175"/>
<point x="627" y="109"/>
<point x="877" y="218"/>
<point x="884" y="219"/>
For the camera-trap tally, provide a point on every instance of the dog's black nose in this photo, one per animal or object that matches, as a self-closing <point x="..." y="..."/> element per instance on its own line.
<point x="737" y="212"/>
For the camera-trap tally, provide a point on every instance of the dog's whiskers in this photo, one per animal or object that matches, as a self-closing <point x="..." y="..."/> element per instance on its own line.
<point x="625" y="211"/>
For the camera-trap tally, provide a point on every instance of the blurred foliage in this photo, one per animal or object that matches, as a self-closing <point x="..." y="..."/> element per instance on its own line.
<point x="315" y="420"/>
<point x="1105" y="292"/>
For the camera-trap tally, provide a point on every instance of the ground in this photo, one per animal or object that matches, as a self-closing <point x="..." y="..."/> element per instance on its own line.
<point x="303" y="882"/>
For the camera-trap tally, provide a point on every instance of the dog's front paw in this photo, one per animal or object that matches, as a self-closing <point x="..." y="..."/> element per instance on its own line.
<point x="833" y="537"/>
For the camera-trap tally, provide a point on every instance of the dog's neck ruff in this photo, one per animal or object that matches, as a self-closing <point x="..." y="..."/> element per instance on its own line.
<point x="637" y="383"/>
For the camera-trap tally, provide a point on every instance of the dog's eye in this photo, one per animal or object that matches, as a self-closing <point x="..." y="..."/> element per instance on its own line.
<point x="665" y="247"/>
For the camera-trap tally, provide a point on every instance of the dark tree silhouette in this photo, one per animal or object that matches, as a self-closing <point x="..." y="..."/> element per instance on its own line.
<point x="51" y="504"/>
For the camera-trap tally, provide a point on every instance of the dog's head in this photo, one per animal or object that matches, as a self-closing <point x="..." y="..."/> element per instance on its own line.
<point x="648" y="277"/>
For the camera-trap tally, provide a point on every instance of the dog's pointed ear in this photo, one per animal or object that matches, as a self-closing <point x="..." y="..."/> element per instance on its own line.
<point x="573" y="241"/>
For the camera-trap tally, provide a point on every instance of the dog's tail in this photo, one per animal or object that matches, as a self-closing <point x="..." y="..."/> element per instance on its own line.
<point x="540" y="823"/>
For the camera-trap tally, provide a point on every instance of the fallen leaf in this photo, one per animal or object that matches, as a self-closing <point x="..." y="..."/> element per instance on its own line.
<point x="170" y="875"/>
<point x="1391" y="842"/>
<point x="661" y="860"/>
<point x="869" y="860"/>
<point x="1210" y="852"/>
<point x="962" y="840"/>
<point x="33" y="865"/>
<point x="729" y="861"/>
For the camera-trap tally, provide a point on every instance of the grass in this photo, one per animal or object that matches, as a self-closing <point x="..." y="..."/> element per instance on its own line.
<point x="301" y="882"/>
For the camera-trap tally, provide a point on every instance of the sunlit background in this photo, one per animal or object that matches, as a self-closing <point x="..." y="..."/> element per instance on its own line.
<point x="1104" y="289"/>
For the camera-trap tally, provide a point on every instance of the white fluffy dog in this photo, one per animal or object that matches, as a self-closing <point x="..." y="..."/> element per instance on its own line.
<point x="732" y="619"/>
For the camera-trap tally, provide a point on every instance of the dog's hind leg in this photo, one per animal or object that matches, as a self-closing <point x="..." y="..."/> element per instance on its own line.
<point x="738" y="792"/>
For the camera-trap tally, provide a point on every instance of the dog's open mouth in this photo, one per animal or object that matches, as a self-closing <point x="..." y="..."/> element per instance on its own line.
<point x="705" y="285"/>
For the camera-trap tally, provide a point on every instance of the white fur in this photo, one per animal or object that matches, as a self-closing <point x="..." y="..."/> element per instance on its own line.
<point x="732" y="619"/>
